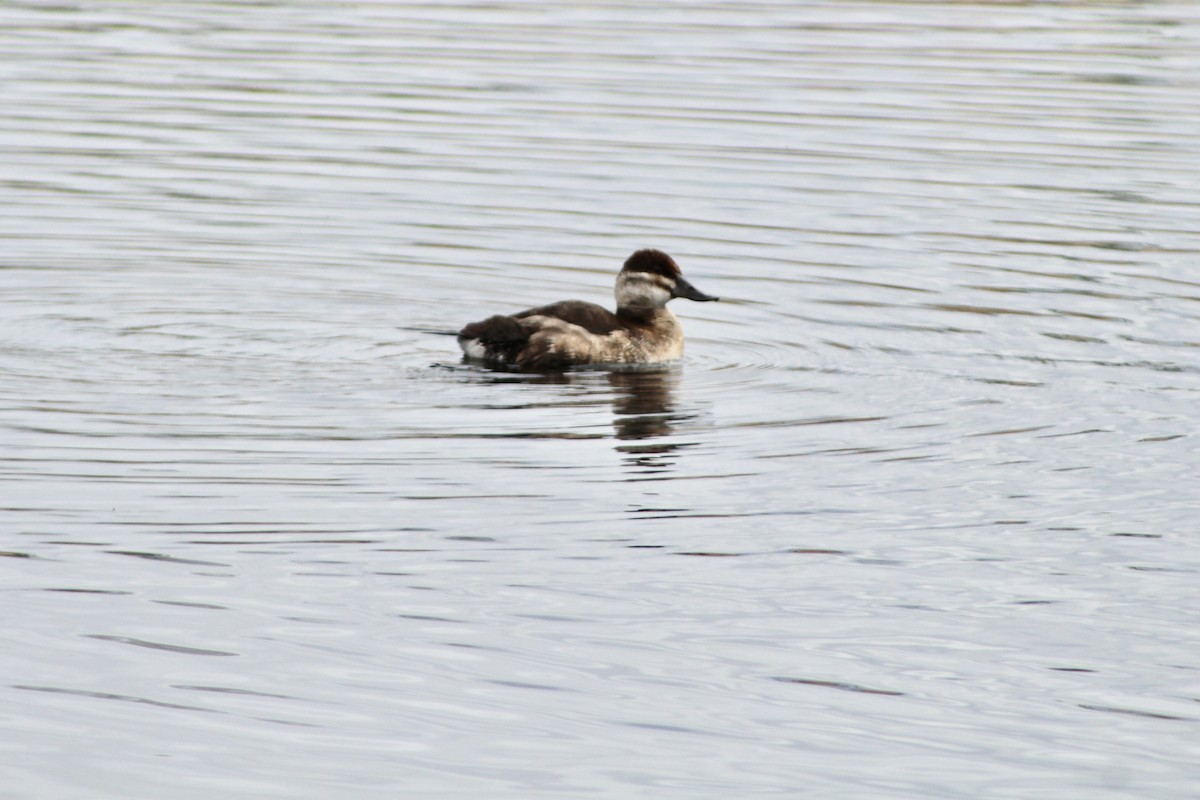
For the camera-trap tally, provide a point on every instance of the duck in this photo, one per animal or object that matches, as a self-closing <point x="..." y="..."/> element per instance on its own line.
<point x="573" y="333"/>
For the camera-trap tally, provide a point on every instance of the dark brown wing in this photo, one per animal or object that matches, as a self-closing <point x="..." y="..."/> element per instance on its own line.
<point x="589" y="316"/>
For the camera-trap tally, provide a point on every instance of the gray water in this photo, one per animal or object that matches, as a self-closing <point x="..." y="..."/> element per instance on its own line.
<point x="916" y="516"/>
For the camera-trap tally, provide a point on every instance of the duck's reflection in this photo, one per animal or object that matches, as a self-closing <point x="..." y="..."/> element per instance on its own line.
<point x="643" y="404"/>
<point x="644" y="409"/>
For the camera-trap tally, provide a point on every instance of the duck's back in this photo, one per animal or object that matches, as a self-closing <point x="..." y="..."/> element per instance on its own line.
<point x="589" y="316"/>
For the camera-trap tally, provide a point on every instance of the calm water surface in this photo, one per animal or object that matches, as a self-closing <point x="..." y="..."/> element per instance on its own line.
<point x="916" y="517"/>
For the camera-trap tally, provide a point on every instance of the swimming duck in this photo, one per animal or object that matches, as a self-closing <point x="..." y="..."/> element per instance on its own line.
<point x="573" y="332"/>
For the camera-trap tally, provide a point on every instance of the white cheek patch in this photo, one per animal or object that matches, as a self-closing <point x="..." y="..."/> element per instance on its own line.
<point x="642" y="290"/>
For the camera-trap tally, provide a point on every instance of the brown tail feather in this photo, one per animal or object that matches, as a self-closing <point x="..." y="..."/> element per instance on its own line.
<point x="501" y="335"/>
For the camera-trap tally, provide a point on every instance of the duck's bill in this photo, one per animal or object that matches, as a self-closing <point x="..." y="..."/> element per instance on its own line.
<point x="688" y="292"/>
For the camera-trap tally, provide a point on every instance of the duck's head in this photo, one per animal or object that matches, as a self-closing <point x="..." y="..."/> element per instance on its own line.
<point x="649" y="279"/>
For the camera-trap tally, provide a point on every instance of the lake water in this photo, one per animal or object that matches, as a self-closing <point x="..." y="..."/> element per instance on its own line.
<point x="916" y="516"/>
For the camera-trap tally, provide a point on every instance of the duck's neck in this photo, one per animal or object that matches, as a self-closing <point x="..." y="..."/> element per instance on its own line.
<point x="651" y="316"/>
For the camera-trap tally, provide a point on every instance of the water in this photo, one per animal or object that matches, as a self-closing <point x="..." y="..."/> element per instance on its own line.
<point x="915" y="517"/>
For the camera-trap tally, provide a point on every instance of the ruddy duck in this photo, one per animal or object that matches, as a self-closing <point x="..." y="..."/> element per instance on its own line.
<point x="572" y="332"/>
